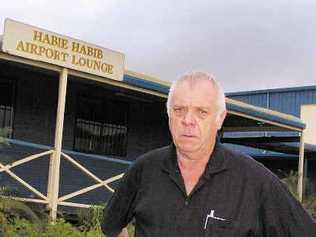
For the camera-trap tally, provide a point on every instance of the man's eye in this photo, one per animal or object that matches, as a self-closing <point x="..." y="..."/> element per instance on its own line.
<point x="203" y="112"/>
<point x="178" y="110"/>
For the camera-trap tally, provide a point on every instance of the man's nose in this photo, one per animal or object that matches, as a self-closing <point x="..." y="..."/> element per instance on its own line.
<point x="188" y="118"/>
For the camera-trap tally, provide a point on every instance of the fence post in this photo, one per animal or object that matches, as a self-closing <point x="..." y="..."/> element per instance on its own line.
<point x="54" y="165"/>
<point x="300" y="185"/>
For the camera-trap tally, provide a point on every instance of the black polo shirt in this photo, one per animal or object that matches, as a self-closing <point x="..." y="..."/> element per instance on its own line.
<point x="235" y="196"/>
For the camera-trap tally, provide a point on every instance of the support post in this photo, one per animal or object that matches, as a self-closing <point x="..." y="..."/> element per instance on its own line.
<point x="300" y="184"/>
<point x="54" y="165"/>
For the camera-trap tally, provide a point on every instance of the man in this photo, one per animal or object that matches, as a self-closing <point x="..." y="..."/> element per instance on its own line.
<point x="197" y="187"/>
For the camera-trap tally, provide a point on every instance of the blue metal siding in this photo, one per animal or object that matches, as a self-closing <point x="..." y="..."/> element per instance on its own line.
<point x="287" y="100"/>
<point x="302" y="88"/>
<point x="290" y="102"/>
<point x="254" y="99"/>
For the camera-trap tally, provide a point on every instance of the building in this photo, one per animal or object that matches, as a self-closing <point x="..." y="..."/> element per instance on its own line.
<point x="77" y="118"/>
<point x="285" y="100"/>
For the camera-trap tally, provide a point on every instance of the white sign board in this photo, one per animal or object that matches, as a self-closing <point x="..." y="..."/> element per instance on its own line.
<point x="308" y="115"/>
<point x="34" y="43"/>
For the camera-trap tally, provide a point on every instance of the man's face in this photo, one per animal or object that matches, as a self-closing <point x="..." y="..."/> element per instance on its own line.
<point x="193" y="118"/>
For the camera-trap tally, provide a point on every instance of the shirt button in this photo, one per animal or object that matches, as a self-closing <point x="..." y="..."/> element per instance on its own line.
<point x="186" y="202"/>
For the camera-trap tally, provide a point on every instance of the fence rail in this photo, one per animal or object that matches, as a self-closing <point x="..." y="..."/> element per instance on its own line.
<point x="62" y="200"/>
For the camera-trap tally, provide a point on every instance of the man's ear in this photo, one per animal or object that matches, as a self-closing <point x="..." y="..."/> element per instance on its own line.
<point x="220" y="119"/>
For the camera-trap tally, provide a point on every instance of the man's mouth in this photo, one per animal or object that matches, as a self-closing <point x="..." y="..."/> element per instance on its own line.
<point x="188" y="135"/>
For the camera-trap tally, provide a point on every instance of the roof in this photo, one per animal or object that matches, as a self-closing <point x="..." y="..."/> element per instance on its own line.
<point x="275" y="90"/>
<point x="263" y="114"/>
<point x="146" y="82"/>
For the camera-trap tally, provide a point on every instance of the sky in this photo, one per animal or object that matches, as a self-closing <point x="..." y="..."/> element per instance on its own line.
<point x="245" y="44"/>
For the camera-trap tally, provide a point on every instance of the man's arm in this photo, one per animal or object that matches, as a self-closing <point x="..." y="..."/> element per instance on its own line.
<point x="283" y="215"/>
<point x="119" y="211"/>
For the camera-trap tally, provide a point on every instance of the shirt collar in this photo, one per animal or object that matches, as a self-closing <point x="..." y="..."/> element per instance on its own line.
<point x="217" y="161"/>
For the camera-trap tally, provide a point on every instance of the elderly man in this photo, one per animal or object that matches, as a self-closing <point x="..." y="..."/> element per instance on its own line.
<point x="197" y="187"/>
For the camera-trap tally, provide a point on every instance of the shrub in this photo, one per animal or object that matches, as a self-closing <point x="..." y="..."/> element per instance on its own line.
<point x="61" y="229"/>
<point x="22" y="228"/>
<point x="13" y="209"/>
<point x="90" y="219"/>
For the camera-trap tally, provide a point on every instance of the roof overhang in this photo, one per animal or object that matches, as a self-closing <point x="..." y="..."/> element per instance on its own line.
<point x="283" y="144"/>
<point x="245" y="117"/>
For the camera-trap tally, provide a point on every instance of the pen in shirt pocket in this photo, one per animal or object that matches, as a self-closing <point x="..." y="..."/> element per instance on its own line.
<point x="212" y="215"/>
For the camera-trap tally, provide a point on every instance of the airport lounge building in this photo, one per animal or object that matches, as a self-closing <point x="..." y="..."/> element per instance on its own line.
<point x="75" y="118"/>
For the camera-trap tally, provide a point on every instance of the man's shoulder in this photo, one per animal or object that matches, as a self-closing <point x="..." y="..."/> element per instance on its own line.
<point x="157" y="153"/>
<point x="153" y="157"/>
<point x="246" y="165"/>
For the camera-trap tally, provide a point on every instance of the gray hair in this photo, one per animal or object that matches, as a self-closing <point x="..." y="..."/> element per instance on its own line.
<point x="194" y="77"/>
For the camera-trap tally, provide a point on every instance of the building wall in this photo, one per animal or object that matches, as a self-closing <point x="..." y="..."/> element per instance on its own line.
<point x="35" y="107"/>
<point x="290" y="101"/>
<point x="148" y="130"/>
<point x="287" y="100"/>
<point x="260" y="99"/>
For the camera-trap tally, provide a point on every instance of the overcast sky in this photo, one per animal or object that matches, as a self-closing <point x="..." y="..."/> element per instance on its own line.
<point x="246" y="44"/>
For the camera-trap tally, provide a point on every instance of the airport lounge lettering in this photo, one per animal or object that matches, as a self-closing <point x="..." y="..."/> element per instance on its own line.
<point x="61" y="49"/>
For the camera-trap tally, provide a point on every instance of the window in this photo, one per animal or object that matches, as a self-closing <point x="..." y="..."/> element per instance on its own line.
<point x="101" y="127"/>
<point x="6" y="107"/>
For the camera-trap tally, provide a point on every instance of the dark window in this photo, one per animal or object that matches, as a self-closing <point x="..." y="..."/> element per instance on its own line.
<point x="101" y="127"/>
<point x="6" y="107"/>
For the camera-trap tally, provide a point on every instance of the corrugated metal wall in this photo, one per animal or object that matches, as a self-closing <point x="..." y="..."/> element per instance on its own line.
<point x="291" y="101"/>
<point x="259" y="99"/>
<point x="286" y="100"/>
